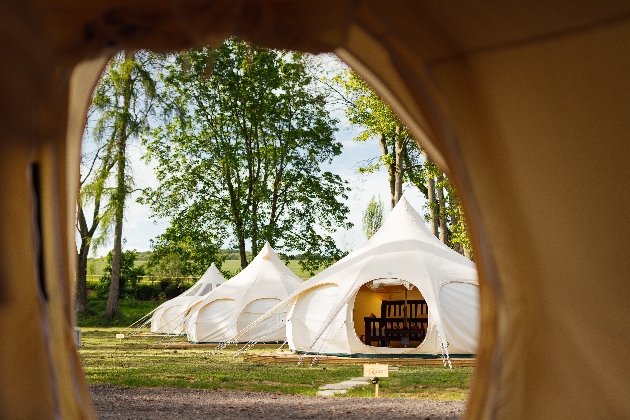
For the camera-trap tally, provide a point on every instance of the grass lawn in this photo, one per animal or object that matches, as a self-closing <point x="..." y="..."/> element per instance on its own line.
<point x="129" y="362"/>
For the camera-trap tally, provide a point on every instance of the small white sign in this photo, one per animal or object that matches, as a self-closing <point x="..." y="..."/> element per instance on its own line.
<point x="376" y="370"/>
<point x="120" y="336"/>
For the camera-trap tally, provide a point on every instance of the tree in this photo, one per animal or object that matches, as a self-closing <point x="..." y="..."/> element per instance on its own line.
<point x="238" y="156"/>
<point x="129" y="274"/>
<point x="123" y="99"/>
<point x="373" y="217"/>
<point x="365" y="109"/>
<point x="96" y="168"/>
<point x="404" y="160"/>
<point x="184" y="250"/>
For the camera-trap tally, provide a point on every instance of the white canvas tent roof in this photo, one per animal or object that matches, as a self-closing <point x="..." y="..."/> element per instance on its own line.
<point x="264" y="283"/>
<point x="169" y="317"/>
<point x="403" y="251"/>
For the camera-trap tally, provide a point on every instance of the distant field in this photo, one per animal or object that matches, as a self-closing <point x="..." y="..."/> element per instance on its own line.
<point x="234" y="265"/>
<point x="96" y="266"/>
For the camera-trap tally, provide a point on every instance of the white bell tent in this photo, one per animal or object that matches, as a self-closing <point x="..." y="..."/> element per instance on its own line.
<point x="425" y="293"/>
<point x="168" y="318"/>
<point x="264" y="283"/>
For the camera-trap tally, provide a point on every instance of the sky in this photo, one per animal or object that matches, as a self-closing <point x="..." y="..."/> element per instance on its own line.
<point x="139" y="228"/>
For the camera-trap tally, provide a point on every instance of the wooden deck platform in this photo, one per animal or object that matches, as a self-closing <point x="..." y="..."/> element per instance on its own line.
<point x="186" y="345"/>
<point x="288" y="357"/>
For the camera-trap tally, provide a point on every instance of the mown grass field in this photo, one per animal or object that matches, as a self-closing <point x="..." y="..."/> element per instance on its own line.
<point x="98" y="264"/>
<point x="129" y="362"/>
<point x="294" y="265"/>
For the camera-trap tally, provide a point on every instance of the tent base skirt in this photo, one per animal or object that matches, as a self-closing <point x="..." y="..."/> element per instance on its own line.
<point x="388" y="356"/>
<point x="189" y="345"/>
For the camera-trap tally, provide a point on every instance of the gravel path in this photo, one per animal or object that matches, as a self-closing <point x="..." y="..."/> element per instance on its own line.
<point x="184" y="404"/>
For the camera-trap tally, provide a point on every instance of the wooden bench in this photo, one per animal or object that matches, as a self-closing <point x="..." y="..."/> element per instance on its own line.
<point x="397" y="323"/>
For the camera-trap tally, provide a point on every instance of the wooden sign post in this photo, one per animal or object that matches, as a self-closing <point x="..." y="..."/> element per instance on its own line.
<point x="375" y="371"/>
<point x="120" y="337"/>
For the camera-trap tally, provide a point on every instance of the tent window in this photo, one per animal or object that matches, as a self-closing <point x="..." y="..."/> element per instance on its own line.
<point x="199" y="289"/>
<point x="193" y="290"/>
<point x="382" y="318"/>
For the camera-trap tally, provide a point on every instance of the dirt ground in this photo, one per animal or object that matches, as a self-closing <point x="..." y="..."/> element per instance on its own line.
<point x="113" y="402"/>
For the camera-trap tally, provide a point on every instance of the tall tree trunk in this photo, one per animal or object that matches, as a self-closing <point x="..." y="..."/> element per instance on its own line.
<point x="433" y="205"/>
<point x="442" y="207"/>
<point x="236" y="214"/>
<point x="399" y="145"/>
<point x="112" y="298"/>
<point x="255" y="238"/>
<point x="391" y="170"/>
<point x="454" y="220"/>
<point x="242" y="253"/>
<point x="240" y="232"/>
<point x="121" y="195"/>
<point x="80" y="300"/>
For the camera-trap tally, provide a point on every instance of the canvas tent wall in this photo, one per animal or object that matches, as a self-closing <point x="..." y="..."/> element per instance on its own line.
<point x="403" y="260"/>
<point x="265" y="282"/>
<point x="524" y="104"/>
<point x="169" y="317"/>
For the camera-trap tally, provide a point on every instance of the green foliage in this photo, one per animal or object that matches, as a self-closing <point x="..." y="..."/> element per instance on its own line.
<point x="184" y="250"/>
<point x="232" y="267"/>
<point x="146" y="291"/>
<point x="458" y="231"/>
<point x="143" y="256"/>
<point x="130" y="310"/>
<point x="238" y="157"/>
<point x="122" y="102"/>
<point x="129" y="274"/>
<point x="373" y="217"/>
<point x="121" y="105"/>
<point x="366" y="109"/>
<point x="232" y="254"/>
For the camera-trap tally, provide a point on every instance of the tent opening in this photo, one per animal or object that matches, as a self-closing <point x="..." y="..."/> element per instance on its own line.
<point x="390" y="313"/>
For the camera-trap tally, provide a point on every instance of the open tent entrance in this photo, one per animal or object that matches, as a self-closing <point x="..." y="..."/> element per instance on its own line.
<point x="390" y="313"/>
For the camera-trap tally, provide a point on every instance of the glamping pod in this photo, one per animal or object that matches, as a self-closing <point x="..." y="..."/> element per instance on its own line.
<point x="402" y="292"/>
<point x="264" y="283"/>
<point x="169" y="317"/>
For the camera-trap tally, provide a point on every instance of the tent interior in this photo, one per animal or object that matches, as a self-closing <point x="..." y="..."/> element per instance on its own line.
<point x="379" y="304"/>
